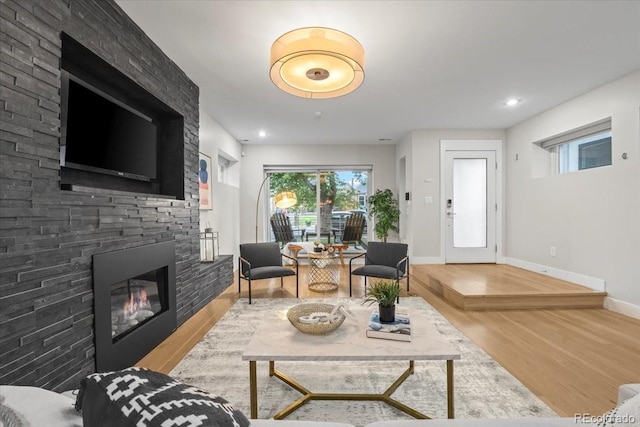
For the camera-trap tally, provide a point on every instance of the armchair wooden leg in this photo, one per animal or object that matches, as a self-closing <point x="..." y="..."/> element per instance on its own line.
<point x="249" y="290"/>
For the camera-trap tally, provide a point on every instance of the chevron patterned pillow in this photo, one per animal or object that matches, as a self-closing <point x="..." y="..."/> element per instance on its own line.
<point x="141" y="397"/>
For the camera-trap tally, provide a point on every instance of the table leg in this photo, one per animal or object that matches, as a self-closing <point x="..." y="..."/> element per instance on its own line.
<point x="253" y="389"/>
<point x="450" y="409"/>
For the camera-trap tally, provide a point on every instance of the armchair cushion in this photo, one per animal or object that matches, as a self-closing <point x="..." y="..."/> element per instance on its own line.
<point x="268" y="272"/>
<point x="376" y="271"/>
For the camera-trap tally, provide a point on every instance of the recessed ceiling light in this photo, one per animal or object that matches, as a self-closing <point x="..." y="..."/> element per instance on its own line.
<point x="512" y="102"/>
<point x="262" y="134"/>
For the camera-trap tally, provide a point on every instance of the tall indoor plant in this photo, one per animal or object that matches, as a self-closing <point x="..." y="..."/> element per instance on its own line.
<point x="383" y="206"/>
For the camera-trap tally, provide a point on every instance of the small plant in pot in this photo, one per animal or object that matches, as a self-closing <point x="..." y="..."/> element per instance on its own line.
<point x="385" y="293"/>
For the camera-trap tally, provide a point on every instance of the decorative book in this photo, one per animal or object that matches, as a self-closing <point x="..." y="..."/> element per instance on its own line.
<point x="399" y="330"/>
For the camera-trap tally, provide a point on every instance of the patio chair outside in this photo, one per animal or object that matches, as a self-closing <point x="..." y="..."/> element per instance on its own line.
<point x="263" y="261"/>
<point x="281" y="226"/>
<point x="382" y="260"/>
<point x="353" y="229"/>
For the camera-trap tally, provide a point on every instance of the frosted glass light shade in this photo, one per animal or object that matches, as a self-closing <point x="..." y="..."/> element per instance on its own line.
<point x="284" y="200"/>
<point x="317" y="62"/>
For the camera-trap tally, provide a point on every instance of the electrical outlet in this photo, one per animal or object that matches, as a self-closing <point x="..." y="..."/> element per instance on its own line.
<point x="552" y="251"/>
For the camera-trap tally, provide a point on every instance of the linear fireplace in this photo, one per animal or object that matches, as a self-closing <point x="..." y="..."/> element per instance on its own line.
<point x="134" y="303"/>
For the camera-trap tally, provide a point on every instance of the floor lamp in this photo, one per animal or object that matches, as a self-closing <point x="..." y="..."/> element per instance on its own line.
<point x="282" y="200"/>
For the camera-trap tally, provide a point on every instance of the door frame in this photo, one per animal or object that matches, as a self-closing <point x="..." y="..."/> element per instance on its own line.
<point x="264" y="219"/>
<point x="474" y="145"/>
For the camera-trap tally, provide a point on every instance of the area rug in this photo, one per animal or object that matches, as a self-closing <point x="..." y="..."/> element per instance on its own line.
<point x="483" y="388"/>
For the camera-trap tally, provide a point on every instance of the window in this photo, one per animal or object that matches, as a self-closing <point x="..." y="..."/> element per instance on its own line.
<point x="583" y="148"/>
<point x="326" y="197"/>
<point x="223" y="168"/>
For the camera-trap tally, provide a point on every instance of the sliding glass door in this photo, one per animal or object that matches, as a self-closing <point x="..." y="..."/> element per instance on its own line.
<point x="326" y="197"/>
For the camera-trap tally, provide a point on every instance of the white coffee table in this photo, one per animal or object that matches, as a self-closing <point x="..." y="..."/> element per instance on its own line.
<point x="277" y="340"/>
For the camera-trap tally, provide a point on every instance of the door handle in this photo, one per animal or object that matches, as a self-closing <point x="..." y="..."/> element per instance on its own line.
<point x="451" y="213"/>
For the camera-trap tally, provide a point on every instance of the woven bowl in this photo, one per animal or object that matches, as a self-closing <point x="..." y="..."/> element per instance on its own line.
<point x="313" y="328"/>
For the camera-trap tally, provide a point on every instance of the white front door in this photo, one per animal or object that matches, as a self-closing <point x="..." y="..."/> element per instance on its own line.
<point x="470" y="206"/>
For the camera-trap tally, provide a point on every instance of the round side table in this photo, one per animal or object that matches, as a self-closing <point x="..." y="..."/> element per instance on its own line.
<point x="324" y="272"/>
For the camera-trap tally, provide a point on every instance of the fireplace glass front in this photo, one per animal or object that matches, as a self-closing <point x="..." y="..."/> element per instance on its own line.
<point x="135" y="301"/>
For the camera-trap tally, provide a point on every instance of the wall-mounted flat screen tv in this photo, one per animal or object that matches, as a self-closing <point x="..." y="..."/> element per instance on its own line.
<point x="102" y="134"/>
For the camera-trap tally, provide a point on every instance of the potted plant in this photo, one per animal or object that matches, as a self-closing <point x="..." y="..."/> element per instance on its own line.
<point x="384" y="207"/>
<point x="384" y="293"/>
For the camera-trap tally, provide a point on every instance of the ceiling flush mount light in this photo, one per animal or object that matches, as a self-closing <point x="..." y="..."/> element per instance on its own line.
<point x="512" y="102"/>
<point x="316" y="62"/>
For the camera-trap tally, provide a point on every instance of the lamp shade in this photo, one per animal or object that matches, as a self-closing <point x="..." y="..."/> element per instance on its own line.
<point x="286" y="199"/>
<point x="316" y="62"/>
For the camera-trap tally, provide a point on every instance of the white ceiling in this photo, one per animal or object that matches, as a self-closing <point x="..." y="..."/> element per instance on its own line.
<point x="429" y="64"/>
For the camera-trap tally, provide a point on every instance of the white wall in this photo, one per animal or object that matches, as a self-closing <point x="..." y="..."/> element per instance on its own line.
<point x="592" y="217"/>
<point x="422" y="150"/>
<point x="225" y="216"/>
<point x="381" y="157"/>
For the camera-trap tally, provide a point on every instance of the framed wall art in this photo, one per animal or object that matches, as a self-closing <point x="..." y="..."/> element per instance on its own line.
<point x="204" y="181"/>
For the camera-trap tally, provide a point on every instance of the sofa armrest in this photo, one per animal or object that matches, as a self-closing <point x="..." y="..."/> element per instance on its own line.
<point x="40" y="407"/>
<point x="627" y="391"/>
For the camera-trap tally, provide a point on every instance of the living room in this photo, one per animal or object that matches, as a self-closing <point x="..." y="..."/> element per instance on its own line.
<point x="51" y="232"/>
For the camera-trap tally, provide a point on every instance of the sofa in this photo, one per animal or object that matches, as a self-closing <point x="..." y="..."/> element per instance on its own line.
<point x="33" y="406"/>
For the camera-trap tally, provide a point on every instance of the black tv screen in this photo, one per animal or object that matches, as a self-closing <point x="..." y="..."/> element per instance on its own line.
<point x="104" y="135"/>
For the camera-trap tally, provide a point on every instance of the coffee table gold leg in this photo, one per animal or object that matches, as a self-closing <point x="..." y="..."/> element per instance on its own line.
<point x="450" y="410"/>
<point x="253" y="389"/>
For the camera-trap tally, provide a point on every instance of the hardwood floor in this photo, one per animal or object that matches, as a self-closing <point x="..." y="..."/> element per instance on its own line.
<point x="573" y="359"/>
<point x="501" y="287"/>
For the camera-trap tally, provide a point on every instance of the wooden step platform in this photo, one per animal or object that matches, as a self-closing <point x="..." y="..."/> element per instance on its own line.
<point x="504" y="287"/>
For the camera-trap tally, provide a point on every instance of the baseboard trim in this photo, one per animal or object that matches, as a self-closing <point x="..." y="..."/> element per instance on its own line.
<point x="591" y="282"/>
<point x="622" y="307"/>
<point x="426" y="260"/>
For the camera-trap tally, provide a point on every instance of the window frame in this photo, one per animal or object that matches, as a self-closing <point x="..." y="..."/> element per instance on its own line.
<point x="567" y="148"/>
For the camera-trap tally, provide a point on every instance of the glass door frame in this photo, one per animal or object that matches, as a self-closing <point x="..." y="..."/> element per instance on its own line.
<point x="495" y="145"/>
<point x="318" y="170"/>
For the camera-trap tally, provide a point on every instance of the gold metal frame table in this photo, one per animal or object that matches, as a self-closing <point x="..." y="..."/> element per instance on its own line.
<point x="277" y="340"/>
<point x="324" y="271"/>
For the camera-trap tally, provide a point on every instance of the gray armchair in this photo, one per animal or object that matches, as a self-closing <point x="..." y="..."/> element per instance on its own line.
<point x="263" y="261"/>
<point x="382" y="260"/>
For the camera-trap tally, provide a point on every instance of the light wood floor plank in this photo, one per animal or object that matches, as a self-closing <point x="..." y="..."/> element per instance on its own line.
<point x="573" y="359"/>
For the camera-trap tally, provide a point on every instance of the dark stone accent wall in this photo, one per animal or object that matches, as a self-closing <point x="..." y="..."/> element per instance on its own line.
<point x="48" y="235"/>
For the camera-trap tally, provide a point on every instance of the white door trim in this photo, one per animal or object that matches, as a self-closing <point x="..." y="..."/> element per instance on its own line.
<point x="474" y="145"/>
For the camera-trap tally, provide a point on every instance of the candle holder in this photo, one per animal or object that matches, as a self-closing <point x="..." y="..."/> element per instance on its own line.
<point x="209" y="245"/>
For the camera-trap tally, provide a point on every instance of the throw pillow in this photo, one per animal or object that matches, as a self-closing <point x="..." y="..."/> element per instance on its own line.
<point x="141" y="397"/>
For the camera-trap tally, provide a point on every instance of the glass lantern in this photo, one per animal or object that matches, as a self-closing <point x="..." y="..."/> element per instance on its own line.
<point x="208" y="245"/>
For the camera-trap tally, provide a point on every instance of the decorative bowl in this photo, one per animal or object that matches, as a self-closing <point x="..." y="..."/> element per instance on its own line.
<point x="299" y="310"/>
